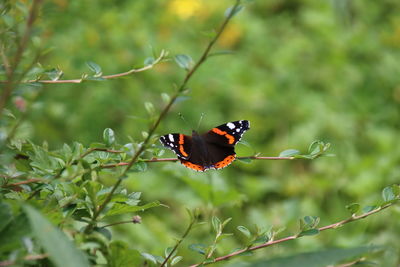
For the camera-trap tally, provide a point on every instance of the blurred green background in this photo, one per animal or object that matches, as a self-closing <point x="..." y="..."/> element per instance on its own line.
<point x="301" y="71"/>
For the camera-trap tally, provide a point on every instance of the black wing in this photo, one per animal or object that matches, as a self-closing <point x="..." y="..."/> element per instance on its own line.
<point x="179" y="143"/>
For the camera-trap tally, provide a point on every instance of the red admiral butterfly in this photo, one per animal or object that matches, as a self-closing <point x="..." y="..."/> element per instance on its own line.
<point x="212" y="150"/>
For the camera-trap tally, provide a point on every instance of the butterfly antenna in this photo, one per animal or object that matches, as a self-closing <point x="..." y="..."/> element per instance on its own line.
<point x="184" y="120"/>
<point x="201" y="118"/>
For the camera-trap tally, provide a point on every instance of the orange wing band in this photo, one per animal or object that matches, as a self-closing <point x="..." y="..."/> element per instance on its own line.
<point x="225" y="162"/>
<point x="192" y="166"/>
<point x="181" y="149"/>
<point x="230" y="138"/>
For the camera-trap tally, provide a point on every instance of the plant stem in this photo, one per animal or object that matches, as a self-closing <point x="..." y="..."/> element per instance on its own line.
<point x="163" y="113"/>
<point x="273" y="242"/>
<point x="188" y="229"/>
<point x="176" y="159"/>
<point x="21" y="46"/>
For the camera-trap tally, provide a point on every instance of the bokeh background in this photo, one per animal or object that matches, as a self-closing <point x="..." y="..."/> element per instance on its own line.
<point x="301" y="71"/>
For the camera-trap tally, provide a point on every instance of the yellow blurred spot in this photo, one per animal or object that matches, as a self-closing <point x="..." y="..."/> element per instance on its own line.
<point x="184" y="8"/>
<point x="230" y="36"/>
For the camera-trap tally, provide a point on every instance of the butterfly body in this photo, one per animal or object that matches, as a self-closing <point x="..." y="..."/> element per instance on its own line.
<point x="212" y="150"/>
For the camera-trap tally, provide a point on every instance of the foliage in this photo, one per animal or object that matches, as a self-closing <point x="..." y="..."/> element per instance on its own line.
<point x="85" y="96"/>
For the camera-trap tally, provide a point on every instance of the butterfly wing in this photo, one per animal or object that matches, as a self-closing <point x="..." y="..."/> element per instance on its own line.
<point x="221" y="142"/>
<point x="179" y="143"/>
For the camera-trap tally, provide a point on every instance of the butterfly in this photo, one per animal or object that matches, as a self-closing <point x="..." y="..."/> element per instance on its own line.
<point x="212" y="150"/>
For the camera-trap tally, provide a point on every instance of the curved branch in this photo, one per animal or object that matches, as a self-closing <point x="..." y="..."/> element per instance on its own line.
<point x="273" y="242"/>
<point x="176" y="159"/>
<point x="163" y="54"/>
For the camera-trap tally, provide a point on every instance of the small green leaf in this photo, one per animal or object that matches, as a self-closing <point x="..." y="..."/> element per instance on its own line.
<point x="353" y="208"/>
<point x="232" y="11"/>
<point x="369" y="208"/>
<point x="104" y="232"/>
<point x="184" y="61"/>
<point x="149" y="108"/>
<point x="95" y="68"/>
<point x="244" y="231"/>
<point x="149" y="61"/>
<point x="120" y="255"/>
<point x="149" y="257"/>
<point x="289" y="153"/>
<point x="60" y="249"/>
<point x="176" y="260"/>
<point x="165" y="97"/>
<point x="309" y="232"/>
<point x="54" y="74"/>
<point x="119" y="208"/>
<point x="216" y="223"/>
<point x="199" y="248"/>
<point x="108" y="137"/>
<point x="226" y="222"/>
<point x="388" y="194"/>
<point x="168" y="251"/>
<point x="139" y="167"/>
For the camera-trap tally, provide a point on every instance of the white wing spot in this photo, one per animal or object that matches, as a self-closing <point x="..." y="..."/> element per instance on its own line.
<point x="238" y="129"/>
<point x="171" y="138"/>
<point x="230" y="125"/>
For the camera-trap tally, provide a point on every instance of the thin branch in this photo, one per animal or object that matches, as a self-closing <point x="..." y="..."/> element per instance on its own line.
<point x="120" y="164"/>
<point x="162" y="56"/>
<point x="188" y="229"/>
<point x="21" y="46"/>
<point x="29" y="181"/>
<point x="273" y="242"/>
<point x="163" y="113"/>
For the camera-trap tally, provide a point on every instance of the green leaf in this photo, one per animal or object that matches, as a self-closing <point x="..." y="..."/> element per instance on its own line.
<point x="149" y="257"/>
<point x="225" y="222"/>
<point x="233" y="10"/>
<point x="60" y="249"/>
<point x="149" y="108"/>
<point x="289" y="153"/>
<point x="369" y="208"/>
<point x="244" y="231"/>
<point x="165" y="97"/>
<point x="168" y="250"/>
<point x="118" y="208"/>
<point x="104" y="232"/>
<point x="353" y="208"/>
<point x="321" y="258"/>
<point x="388" y="194"/>
<point x="184" y="61"/>
<point x="108" y="137"/>
<point x="122" y="256"/>
<point x="216" y="223"/>
<point x="176" y="260"/>
<point x="139" y="167"/>
<point x="149" y="61"/>
<point x="95" y="68"/>
<point x="199" y="248"/>
<point x="54" y="74"/>
<point x="309" y="232"/>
